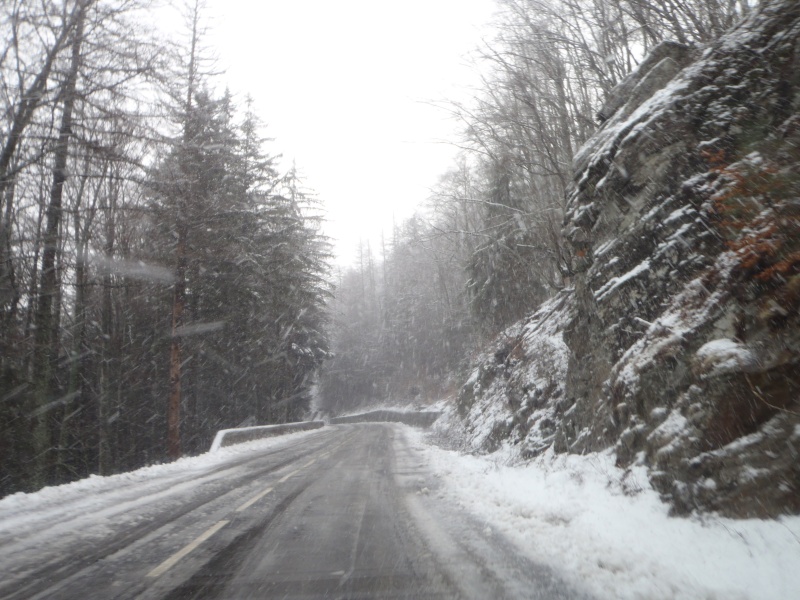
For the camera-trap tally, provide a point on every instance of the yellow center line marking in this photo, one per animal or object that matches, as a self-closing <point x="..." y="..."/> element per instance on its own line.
<point x="296" y="471"/>
<point x="173" y="560"/>
<point x="253" y="500"/>
<point x="285" y="477"/>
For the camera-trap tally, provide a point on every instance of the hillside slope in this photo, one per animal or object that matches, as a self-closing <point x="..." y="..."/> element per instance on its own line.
<point x="679" y="345"/>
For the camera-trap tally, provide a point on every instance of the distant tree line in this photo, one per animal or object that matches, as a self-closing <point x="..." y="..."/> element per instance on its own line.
<point x="488" y="248"/>
<point x="400" y="322"/>
<point x="160" y="278"/>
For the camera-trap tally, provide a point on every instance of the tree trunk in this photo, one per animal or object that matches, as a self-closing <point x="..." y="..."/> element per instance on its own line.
<point x="179" y="291"/>
<point x="178" y="306"/>
<point x="107" y="324"/>
<point x="9" y="291"/>
<point x="63" y="463"/>
<point x="46" y="340"/>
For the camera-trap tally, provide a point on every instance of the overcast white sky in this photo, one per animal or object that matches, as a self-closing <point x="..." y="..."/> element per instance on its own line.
<point x="342" y="85"/>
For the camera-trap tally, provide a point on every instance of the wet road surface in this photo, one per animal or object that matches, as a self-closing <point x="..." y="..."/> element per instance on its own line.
<point x="348" y="512"/>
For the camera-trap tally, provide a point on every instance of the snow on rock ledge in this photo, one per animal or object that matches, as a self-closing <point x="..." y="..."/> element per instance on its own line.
<point x="719" y="357"/>
<point x="516" y="388"/>
<point x="684" y="220"/>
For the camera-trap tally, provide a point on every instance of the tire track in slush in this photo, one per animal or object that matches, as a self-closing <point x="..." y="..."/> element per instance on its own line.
<point x="186" y="550"/>
<point x="199" y="586"/>
<point x="39" y="580"/>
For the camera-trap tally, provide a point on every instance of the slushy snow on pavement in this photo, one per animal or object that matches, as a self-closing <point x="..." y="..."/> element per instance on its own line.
<point x="597" y="526"/>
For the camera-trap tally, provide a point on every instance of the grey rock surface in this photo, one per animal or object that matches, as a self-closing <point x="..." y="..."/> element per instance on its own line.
<point x="684" y="218"/>
<point x="682" y="331"/>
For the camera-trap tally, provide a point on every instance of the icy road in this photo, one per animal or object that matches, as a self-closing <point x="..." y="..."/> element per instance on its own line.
<point x="344" y="512"/>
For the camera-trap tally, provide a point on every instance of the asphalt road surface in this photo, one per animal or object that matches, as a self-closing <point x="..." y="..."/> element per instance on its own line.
<point x="344" y="513"/>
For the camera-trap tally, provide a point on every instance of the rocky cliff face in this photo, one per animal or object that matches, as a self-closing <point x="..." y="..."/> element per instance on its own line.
<point x="683" y="329"/>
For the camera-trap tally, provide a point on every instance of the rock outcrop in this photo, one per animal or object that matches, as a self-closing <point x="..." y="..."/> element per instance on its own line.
<point x="683" y="328"/>
<point x="516" y="391"/>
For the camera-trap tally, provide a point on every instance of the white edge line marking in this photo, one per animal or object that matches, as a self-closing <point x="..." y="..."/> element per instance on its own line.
<point x="172" y="560"/>
<point x="253" y="500"/>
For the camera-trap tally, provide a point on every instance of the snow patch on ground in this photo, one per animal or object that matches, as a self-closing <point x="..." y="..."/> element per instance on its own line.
<point x="607" y="530"/>
<point x="96" y="493"/>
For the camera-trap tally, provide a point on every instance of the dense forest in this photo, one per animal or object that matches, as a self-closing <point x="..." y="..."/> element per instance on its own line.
<point x="488" y="247"/>
<point x="161" y="277"/>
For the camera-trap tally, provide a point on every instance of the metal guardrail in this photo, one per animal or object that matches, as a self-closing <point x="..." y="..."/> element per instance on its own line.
<point x="229" y="437"/>
<point x="417" y="419"/>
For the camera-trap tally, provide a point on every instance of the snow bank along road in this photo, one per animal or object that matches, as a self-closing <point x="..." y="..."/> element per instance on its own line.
<point x="345" y="512"/>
